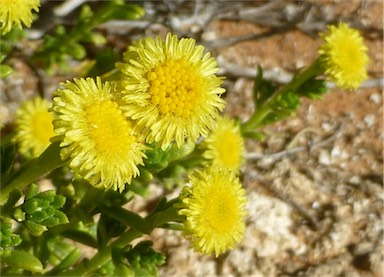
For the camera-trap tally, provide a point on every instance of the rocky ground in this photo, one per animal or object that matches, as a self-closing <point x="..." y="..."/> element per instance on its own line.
<point x="315" y="185"/>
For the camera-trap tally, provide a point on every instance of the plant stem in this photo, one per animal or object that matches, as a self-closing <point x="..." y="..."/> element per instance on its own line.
<point x="258" y="116"/>
<point x="46" y="162"/>
<point x="104" y="255"/>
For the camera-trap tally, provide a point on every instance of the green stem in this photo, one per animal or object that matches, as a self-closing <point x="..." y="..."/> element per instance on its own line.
<point x="45" y="163"/>
<point x="258" y="116"/>
<point x="85" y="209"/>
<point x="127" y="217"/>
<point x="104" y="255"/>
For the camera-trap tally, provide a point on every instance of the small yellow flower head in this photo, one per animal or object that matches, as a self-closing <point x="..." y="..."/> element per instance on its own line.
<point x="34" y="127"/>
<point x="214" y="207"/>
<point x="344" y="56"/>
<point x="225" y="145"/>
<point x="171" y="89"/>
<point x="96" y="135"/>
<point x="15" y="12"/>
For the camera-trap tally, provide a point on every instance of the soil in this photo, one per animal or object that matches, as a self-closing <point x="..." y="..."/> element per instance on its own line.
<point x="315" y="184"/>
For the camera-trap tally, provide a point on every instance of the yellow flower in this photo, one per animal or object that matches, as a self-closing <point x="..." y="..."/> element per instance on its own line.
<point x="15" y="12"/>
<point x="34" y="127"/>
<point x="344" y="56"/>
<point x="95" y="133"/>
<point x="225" y="145"/>
<point x="171" y="89"/>
<point x="214" y="207"/>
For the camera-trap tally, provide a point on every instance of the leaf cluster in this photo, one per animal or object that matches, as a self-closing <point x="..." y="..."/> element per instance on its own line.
<point x="273" y="103"/>
<point x="65" y="43"/>
<point x="144" y="260"/>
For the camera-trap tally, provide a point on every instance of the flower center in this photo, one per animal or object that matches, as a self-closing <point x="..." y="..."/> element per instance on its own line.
<point x="109" y="129"/>
<point x="350" y="56"/>
<point x="221" y="211"/>
<point x="42" y="127"/>
<point x="175" y="87"/>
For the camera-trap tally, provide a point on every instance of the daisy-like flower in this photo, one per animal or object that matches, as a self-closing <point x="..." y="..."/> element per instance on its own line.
<point x="225" y="145"/>
<point x="344" y="56"/>
<point x="96" y="135"/>
<point x="15" y="12"/>
<point x="34" y="127"/>
<point x="214" y="207"/>
<point x="171" y="89"/>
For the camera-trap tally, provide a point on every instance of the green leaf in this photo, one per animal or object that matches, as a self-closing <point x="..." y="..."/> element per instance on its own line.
<point x="24" y="260"/>
<point x="5" y="71"/>
<point x="162" y="205"/>
<point x="62" y="217"/>
<point x="175" y="153"/>
<point x="32" y="191"/>
<point x="60" y="30"/>
<point x="144" y="259"/>
<point x="106" y="269"/>
<point x="31" y="205"/>
<point x="80" y="236"/>
<point x="8" y="153"/>
<point x="58" y="48"/>
<point x="145" y="175"/>
<point x="157" y="159"/>
<point x="86" y="13"/>
<point x="7" y="237"/>
<point x="18" y="214"/>
<point x="56" y="218"/>
<point x="128" y="11"/>
<point x="128" y="218"/>
<point x="139" y="188"/>
<point x="56" y="249"/>
<point x="41" y="209"/>
<point x="117" y="9"/>
<point x="14" y="197"/>
<point x="288" y="101"/>
<point x="68" y="261"/>
<point x="38" y="216"/>
<point x="58" y="202"/>
<point x="159" y="218"/>
<point x="108" y="228"/>
<point x="97" y="38"/>
<point x="35" y="228"/>
<point x="254" y="135"/>
<point x="313" y="89"/>
<point x="283" y="106"/>
<point x="76" y="50"/>
<point x="123" y="270"/>
<point x="262" y="89"/>
<point x="47" y="196"/>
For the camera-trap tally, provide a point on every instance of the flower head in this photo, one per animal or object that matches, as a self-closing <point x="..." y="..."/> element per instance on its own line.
<point x="225" y="145"/>
<point x="344" y="56"/>
<point x="34" y="127"/>
<point x="15" y="12"/>
<point x="214" y="207"/>
<point x="96" y="135"/>
<point x="171" y="89"/>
